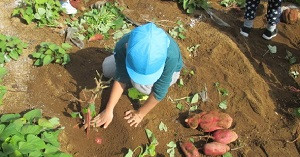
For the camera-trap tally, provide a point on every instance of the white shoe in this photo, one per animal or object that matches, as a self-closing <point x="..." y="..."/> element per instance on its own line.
<point x="69" y="8"/>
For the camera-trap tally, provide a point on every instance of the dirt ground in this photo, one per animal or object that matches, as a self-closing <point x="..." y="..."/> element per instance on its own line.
<point x="259" y="100"/>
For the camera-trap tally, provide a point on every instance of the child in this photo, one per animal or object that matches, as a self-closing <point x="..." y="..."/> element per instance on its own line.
<point x="273" y="17"/>
<point x="149" y="60"/>
<point x="67" y="5"/>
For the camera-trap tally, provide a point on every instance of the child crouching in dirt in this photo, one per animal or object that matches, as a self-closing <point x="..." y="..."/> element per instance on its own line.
<point x="149" y="60"/>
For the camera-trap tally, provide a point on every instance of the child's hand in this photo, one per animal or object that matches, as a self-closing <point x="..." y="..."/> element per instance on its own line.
<point x="134" y="118"/>
<point x="104" y="118"/>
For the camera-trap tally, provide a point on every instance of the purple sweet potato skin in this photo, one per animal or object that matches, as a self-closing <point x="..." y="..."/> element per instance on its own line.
<point x="193" y="121"/>
<point x="189" y="149"/>
<point x="215" y="148"/>
<point x="225" y="136"/>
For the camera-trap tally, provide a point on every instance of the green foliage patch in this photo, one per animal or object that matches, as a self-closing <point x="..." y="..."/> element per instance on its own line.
<point x="43" y="12"/>
<point x="10" y="48"/>
<point x="191" y="5"/>
<point x="30" y="135"/>
<point x="101" y="21"/>
<point x="230" y="3"/>
<point x="50" y="52"/>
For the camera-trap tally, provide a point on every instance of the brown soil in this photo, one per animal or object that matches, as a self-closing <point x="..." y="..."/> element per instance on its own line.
<point x="259" y="100"/>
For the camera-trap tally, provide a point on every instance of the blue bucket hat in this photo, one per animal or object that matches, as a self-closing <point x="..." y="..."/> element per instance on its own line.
<point x="146" y="53"/>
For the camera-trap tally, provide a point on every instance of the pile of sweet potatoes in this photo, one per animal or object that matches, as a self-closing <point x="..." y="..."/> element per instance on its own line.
<point x="216" y="123"/>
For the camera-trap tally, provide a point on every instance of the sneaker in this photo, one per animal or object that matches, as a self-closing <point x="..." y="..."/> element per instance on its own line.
<point x="69" y="8"/>
<point x="269" y="35"/>
<point x="245" y="31"/>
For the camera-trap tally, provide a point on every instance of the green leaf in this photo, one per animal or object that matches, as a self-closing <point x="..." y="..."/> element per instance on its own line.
<point x="37" y="153"/>
<point x="66" y="59"/>
<point x="192" y="140"/>
<point x="11" y="129"/>
<point x="272" y="49"/>
<point x="53" y="47"/>
<point x="297" y="112"/>
<point x="31" y="129"/>
<point x="43" y="122"/>
<point x="38" y="62"/>
<point x="14" y="55"/>
<point x="3" y="72"/>
<point x="36" y="55"/>
<point x="92" y="109"/>
<point x="75" y="114"/>
<point x="66" y="46"/>
<point x="180" y="83"/>
<point x="171" y="149"/>
<point x="193" y="108"/>
<point x="223" y="92"/>
<point x="129" y="153"/>
<point x="2" y="127"/>
<point x="47" y="59"/>
<point x="48" y="52"/>
<point x="227" y="154"/>
<point x="50" y="138"/>
<point x="26" y="147"/>
<point x="162" y="127"/>
<point x="50" y="149"/>
<point x="33" y="115"/>
<point x="7" y="148"/>
<point x="36" y="141"/>
<point x="9" y="117"/>
<point x="180" y="106"/>
<point x="41" y="11"/>
<point x="15" y="139"/>
<point x="223" y="105"/>
<point x="195" y="98"/>
<point x="61" y="50"/>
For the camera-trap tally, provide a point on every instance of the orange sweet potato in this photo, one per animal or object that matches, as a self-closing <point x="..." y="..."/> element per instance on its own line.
<point x="224" y="136"/>
<point x="189" y="149"/>
<point x="215" y="148"/>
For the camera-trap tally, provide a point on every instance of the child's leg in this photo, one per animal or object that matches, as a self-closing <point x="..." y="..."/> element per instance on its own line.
<point x="109" y="66"/>
<point x="273" y="17"/>
<point x="250" y="13"/>
<point x="146" y="89"/>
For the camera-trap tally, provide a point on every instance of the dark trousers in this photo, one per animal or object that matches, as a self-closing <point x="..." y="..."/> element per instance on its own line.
<point x="273" y="11"/>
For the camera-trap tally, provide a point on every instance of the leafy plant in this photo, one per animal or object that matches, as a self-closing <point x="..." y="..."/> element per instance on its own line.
<point x="230" y="3"/>
<point x="149" y="150"/>
<point x="29" y="135"/>
<point x="180" y="107"/>
<point x="50" y="52"/>
<point x="101" y="21"/>
<point x="43" y="12"/>
<point x="134" y="94"/>
<point x="162" y="127"/>
<point x="191" y="5"/>
<point x="227" y="154"/>
<point x="297" y="112"/>
<point x="193" y="108"/>
<point x="178" y="31"/>
<point x="224" y="93"/>
<point x="271" y="49"/>
<point x="171" y="148"/>
<point x="10" y="48"/>
<point x="3" y="89"/>
<point x="290" y="57"/>
<point x="180" y="82"/>
<point x="193" y="49"/>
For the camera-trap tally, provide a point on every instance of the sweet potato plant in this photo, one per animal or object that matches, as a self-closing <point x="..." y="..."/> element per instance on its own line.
<point x="29" y="135"/>
<point x="89" y="109"/>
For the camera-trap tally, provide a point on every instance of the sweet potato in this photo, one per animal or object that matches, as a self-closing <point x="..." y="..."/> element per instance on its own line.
<point x="96" y="37"/>
<point x="215" y="148"/>
<point x="193" y="121"/>
<point x="224" y="136"/>
<point x="210" y="121"/>
<point x="189" y="149"/>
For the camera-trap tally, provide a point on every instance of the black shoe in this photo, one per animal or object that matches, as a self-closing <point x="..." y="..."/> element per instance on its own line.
<point x="245" y="31"/>
<point x="269" y="35"/>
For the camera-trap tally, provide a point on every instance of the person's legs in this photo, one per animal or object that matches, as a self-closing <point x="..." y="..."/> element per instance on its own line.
<point x="273" y="17"/>
<point x="146" y="89"/>
<point x="250" y="13"/>
<point x="109" y="66"/>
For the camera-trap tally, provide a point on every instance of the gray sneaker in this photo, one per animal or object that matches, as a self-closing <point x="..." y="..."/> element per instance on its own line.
<point x="268" y="35"/>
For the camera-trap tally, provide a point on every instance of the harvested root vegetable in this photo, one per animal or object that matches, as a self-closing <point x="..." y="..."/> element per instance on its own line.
<point x="193" y="122"/>
<point x="215" y="148"/>
<point x="210" y="121"/>
<point x="225" y="136"/>
<point x="189" y="149"/>
<point x="96" y="37"/>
